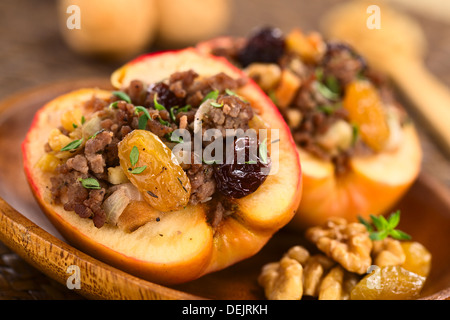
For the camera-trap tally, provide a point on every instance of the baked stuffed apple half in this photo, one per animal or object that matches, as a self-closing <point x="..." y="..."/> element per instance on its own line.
<point x="358" y="148"/>
<point x="121" y="175"/>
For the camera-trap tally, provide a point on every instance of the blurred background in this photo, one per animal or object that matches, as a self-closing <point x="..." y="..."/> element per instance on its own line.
<point x="38" y="48"/>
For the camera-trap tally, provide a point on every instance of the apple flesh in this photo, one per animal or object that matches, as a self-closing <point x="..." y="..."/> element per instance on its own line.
<point x="181" y="245"/>
<point x="372" y="185"/>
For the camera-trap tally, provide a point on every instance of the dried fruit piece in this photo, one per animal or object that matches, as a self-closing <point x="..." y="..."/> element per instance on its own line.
<point x="49" y="162"/>
<point x="71" y="119"/>
<point x="164" y="96"/>
<point x="388" y="283"/>
<point x="266" y="75"/>
<point x="265" y="45"/>
<point x="245" y="175"/>
<point x="163" y="183"/>
<point x="366" y="110"/>
<point x="310" y="48"/>
<point x="287" y="88"/>
<point x="418" y="258"/>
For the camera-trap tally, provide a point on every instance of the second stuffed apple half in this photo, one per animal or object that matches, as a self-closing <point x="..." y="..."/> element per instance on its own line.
<point x="359" y="150"/>
<point x="102" y="166"/>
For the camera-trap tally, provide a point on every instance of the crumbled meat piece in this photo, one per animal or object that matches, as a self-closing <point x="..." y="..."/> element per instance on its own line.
<point x="234" y="114"/>
<point x="231" y="50"/>
<point x="217" y="215"/>
<point x="110" y="153"/>
<point x="94" y="203"/>
<point x="82" y="210"/>
<point x="179" y="81"/>
<point x="196" y="98"/>
<point x="222" y="81"/>
<point x="93" y="151"/>
<point x="203" y="184"/>
<point x="342" y="62"/>
<point x="66" y="181"/>
<point x="78" y="163"/>
<point x="158" y="128"/>
<point x="96" y="104"/>
<point x="189" y="114"/>
<point x="136" y="91"/>
<point x="76" y="194"/>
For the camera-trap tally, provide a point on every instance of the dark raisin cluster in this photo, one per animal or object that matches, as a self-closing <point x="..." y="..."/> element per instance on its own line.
<point x="265" y="45"/>
<point x="236" y="180"/>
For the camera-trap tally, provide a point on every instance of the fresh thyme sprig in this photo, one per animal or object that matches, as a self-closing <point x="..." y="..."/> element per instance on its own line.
<point x="380" y="227"/>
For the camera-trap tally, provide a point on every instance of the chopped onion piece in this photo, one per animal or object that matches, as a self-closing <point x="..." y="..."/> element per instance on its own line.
<point x="204" y="109"/>
<point x="116" y="203"/>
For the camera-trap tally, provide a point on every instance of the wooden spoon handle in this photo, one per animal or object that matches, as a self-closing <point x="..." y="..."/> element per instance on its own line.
<point x="429" y="97"/>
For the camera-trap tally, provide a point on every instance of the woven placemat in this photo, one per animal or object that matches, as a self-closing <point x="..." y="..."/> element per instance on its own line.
<point x="21" y="281"/>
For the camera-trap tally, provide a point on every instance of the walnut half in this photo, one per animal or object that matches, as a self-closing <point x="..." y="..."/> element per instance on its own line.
<point x="282" y="280"/>
<point x="388" y="252"/>
<point x="346" y="243"/>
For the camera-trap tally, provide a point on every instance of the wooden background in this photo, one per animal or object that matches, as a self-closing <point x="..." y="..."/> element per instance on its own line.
<point x="33" y="53"/>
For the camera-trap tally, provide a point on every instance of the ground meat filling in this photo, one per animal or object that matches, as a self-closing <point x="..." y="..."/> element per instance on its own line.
<point x="234" y="114"/>
<point x="312" y="112"/>
<point x="202" y="181"/>
<point x="171" y="105"/>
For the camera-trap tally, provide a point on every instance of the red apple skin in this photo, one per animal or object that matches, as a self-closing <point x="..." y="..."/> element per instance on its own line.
<point x="238" y="237"/>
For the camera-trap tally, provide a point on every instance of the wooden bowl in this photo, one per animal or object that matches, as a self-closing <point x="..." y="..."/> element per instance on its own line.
<point x="26" y="230"/>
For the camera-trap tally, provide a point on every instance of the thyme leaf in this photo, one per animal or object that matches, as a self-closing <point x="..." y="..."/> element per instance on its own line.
<point x="263" y="151"/>
<point x="380" y="227"/>
<point x="134" y="155"/>
<point x="212" y="95"/>
<point x="75" y="144"/>
<point x="138" y="170"/>
<point x="122" y="95"/>
<point x="90" y="183"/>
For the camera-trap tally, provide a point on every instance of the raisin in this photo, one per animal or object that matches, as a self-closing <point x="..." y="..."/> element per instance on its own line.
<point x="237" y="180"/>
<point x="165" y="96"/>
<point x="160" y="179"/>
<point x="265" y="45"/>
<point x="337" y="49"/>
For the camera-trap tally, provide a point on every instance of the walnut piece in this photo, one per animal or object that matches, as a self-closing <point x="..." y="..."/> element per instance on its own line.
<point x="314" y="270"/>
<point x="282" y="280"/>
<point x="346" y="243"/>
<point x="298" y="274"/>
<point x="350" y="281"/>
<point x="388" y="252"/>
<point x="298" y="253"/>
<point x="346" y="254"/>
<point x="331" y="286"/>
